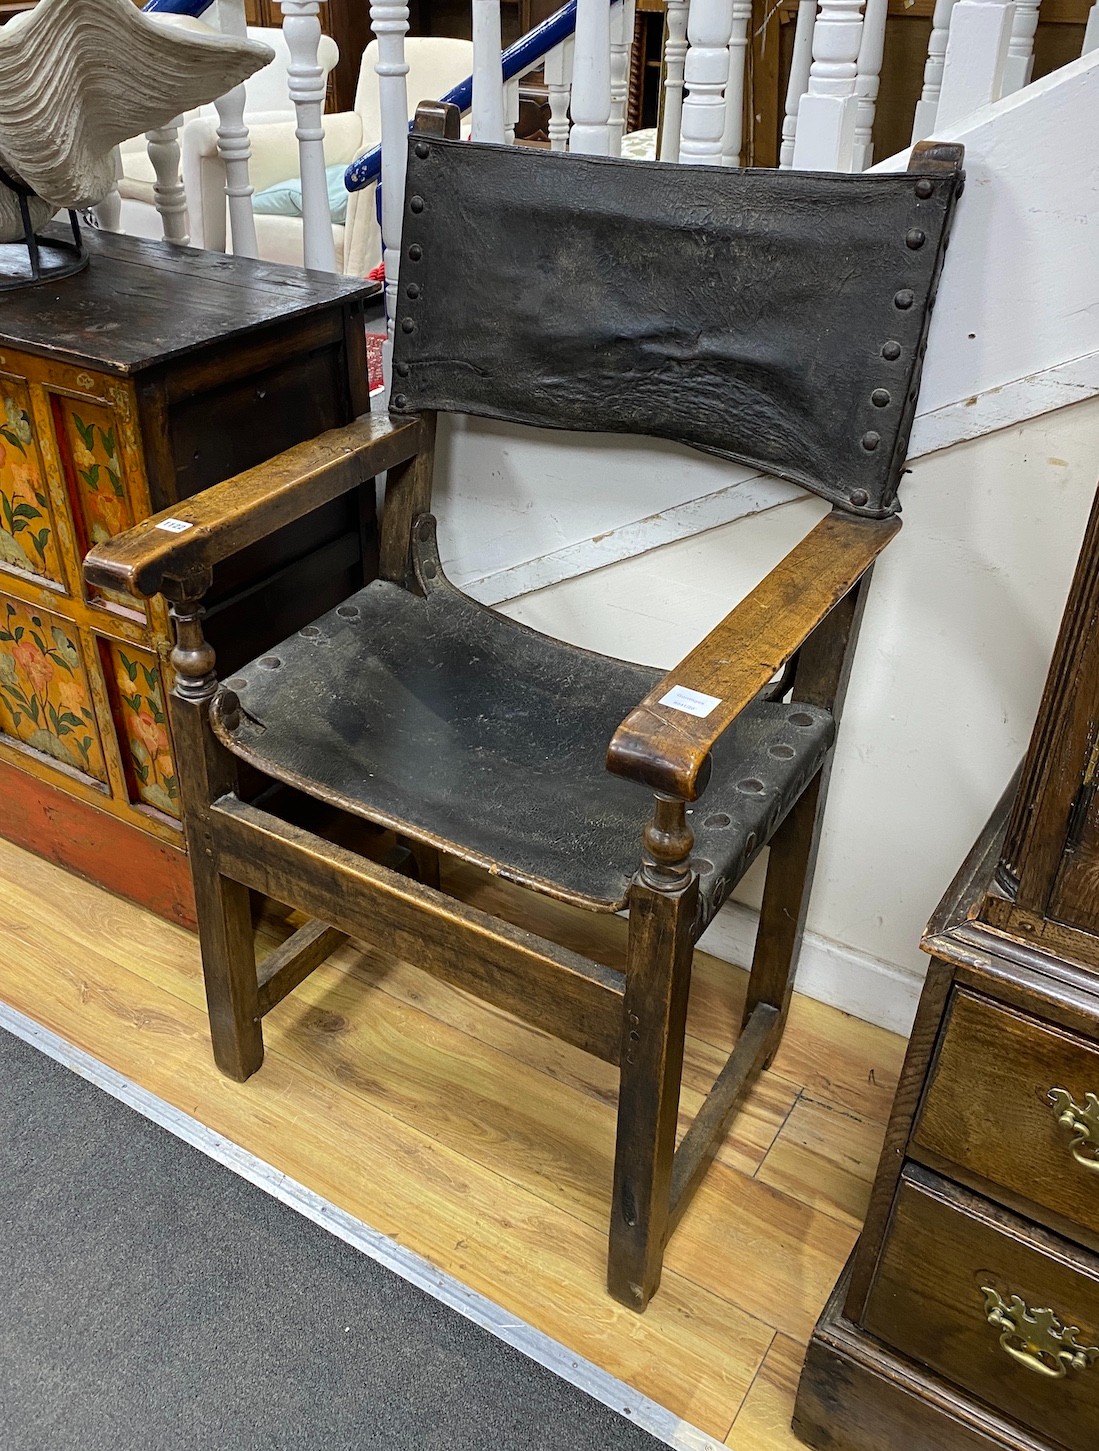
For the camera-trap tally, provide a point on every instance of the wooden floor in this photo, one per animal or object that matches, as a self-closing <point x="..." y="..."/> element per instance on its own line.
<point x="486" y="1146"/>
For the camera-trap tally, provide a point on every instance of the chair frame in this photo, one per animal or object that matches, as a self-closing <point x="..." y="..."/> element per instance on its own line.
<point x="800" y="623"/>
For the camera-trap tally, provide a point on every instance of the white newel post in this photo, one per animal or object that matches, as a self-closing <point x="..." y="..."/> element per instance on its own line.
<point x="732" y="139"/>
<point x="828" y="111"/>
<point x="1020" y="50"/>
<point x="108" y="213"/>
<point x="488" y="86"/>
<point x="389" y="23"/>
<point x="800" y="62"/>
<point x="866" y="83"/>
<point x="591" y="79"/>
<point x="705" y="73"/>
<point x="558" y="73"/>
<point x="675" y="54"/>
<point x="234" y="146"/>
<point x="301" y="28"/>
<point x="923" y="121"/>
<point x="976" y="54"/>
<point x="168" y="192"/>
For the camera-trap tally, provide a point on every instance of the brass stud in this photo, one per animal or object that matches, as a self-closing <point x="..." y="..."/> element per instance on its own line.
<point x="416" y="204"/>
<point x="750" y="786"/>
<point x="859" y="500"/>
<point x="924" y="188"/>
<point x="238" y="682"/>
<point x="880" y="398"/>
<point x="870" y="442"/>
<point x="402" y="370"/>
<point x="891" y="351"/>
<point x="421" y="150"/>
<point x="415" y="252"/>
<point x="718" y="819"/>
<point x="412" y="290"/>
<point x="904" y="299"/>
<point x="407" y="325"/>
<point x="914" y="239"/>
<point x="270" y="662"/>
<point x="781" y="751"/>
<point x="802" y="718"/>
<point x="400" y="400"/>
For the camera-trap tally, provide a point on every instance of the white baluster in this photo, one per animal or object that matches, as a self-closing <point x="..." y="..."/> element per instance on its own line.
<point x="675" y="53"/>
<point x="620" y="74"/>
<point x="828" y="111"/>
<point x="800" y="62"/>
<point x="869" y="76"/>
<point x="923" y="121"/>
<point x="1091" y="30"/>
<point x="301" y="28"/>
<point x="558" y="73"/>
<point x="171" y="199"/>
<point x="511" y="110"/>
<point x="1020" y="50"/>
<point x="732" y="139"/>
<point x="976" y="53"/>
<point x="234" y="147"/>
<point x="705" y="74"/>
<point x="591" y="79"/>
<point x="389" y="22"/>
<point x="108" y="214"/>
<point x="488" y="89"/>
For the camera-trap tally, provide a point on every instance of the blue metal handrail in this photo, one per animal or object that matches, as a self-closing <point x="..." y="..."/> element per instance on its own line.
<point x="515" y="61"/>
<point x="178" y="7"/>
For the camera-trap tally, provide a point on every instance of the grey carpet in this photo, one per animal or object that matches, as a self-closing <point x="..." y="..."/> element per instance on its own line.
<point x="151" y="1300"/>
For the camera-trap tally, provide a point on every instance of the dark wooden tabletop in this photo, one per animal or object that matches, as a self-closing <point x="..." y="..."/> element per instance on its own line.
<point x="139" y="303"/>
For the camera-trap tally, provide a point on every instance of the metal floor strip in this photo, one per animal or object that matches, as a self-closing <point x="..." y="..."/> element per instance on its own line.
<point x="583" y="1374"/>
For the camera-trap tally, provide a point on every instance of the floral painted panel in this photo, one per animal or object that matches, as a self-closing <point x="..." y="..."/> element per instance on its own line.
<point x="143" y="727"/>
<point x="44" y="697"/>
<point x="26" y="531"/>
<point x="97" y="485"/>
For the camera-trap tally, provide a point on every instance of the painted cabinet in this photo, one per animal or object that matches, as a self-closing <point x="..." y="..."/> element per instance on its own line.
<point x="153" y="374"/>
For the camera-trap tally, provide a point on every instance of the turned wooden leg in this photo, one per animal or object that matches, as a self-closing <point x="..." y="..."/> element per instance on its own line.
<point x="663" y="911"/>
<point x="206" y="772"/>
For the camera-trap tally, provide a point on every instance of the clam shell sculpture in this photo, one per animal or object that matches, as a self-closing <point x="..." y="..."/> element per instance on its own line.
<point x="78" y="77"/>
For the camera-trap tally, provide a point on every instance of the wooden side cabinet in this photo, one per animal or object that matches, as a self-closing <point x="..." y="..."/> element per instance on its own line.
<point x="151" y="375"/>
<point x="968" y="1318"/>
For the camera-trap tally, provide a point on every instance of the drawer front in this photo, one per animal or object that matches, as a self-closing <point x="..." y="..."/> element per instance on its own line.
<point x="1016" y="1101"/>
<point x="1006" y="1312"/>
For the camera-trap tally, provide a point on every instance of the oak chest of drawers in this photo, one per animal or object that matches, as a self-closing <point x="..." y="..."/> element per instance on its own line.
<point x="968" y="1318"/>
<point x="151" y="375"/>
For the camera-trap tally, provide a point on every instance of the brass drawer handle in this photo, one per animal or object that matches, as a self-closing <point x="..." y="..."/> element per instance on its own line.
<point x="1036" y="1338"/>
<point x="1082" y="1124"/>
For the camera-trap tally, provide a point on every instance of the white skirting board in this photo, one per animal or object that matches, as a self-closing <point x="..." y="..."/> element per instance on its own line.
<point x="878" y="992"/>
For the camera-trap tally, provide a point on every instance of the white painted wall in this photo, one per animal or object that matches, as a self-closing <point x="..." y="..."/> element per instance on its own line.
<point x="955" y="646"/>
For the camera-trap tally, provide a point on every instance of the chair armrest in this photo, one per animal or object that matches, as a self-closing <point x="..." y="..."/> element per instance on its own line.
<point x="173" y="552"/>
<point x="667" y="748"/>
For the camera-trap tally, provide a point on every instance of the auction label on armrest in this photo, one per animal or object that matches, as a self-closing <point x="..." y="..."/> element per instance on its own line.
<point x="174" y="526"/>
<point x="690" y="702"/>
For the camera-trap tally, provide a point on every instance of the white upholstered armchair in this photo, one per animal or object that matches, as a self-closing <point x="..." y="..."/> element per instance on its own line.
<point x="435" y="65"/>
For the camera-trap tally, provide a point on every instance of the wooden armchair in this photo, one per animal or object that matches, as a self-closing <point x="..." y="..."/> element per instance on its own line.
<point x="774" y="317"/>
